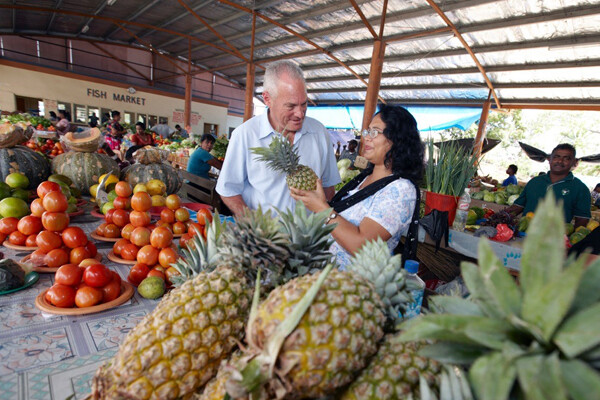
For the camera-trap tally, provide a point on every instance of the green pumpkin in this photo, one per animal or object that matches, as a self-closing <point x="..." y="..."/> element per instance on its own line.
<point x="26" y="161"/>
<point x="142" y="173"/>
<point x="84" y="169"/>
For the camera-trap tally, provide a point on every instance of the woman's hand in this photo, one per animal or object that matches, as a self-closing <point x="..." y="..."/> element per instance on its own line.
<point x="314" y="200"/>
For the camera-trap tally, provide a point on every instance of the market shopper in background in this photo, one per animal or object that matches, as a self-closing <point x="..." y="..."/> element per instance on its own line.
<point x="243" y="181"/>
<point x="181" y="132"/>
<point x="596" y="195"/>
<point x="381" y="201"/>
<point x="201" y="160"/>
<point x="512" y="179"/>
<point x="114" y="136"/>
<point x="63" y="125"/>
<point x="351" y="153"/>
<point x="163" y="130"/>
<point x="573" y="193"/>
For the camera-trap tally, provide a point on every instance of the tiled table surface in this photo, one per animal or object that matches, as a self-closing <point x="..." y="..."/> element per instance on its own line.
<point x="44" y="356"/>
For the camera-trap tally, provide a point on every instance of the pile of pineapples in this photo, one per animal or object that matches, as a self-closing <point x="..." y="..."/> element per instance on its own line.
<point x="262" y="313"/>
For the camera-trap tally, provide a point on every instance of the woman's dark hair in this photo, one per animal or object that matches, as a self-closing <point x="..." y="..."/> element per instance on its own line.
<point x="66" y="114"/>
<point x="405" y="158"/>
<point x="53" y="114"/>
<point x="143" y="125"/>
<point x="207" y="136"/>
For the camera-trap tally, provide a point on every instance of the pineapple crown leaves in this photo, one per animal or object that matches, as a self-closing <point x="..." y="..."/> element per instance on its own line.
<point x="201" y="254"/>
<point x="255" y="241"/>
<point x="374" y="262"/>
<point x="453" y="386"/>
<point x="281" y="155"/>
<point x="534" y="338"/>
<point x="310" y="240"/>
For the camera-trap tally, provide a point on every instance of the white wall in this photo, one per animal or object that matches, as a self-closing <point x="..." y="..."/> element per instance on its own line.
<point x="45" y="83"/>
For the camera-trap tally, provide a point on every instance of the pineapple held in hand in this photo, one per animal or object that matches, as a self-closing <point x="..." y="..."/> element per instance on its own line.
<point x="282" y="156"/>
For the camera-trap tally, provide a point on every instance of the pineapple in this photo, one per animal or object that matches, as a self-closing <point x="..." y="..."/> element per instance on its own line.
<point x="309" y="347"/>
<point x="283" y="157"/>
<point x="536" y="340"/>
<point x="215" y="388"/>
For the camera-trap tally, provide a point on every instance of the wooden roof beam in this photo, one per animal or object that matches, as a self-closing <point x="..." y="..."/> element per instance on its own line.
<point x="364" y="19"/>
<point x="126" y="65"/>
<point x="133" y="16"/>
<point x="90" y="19"/>
<point x="53" y="16"/>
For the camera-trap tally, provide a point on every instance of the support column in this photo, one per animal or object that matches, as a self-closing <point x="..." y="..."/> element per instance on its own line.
<point x="188" y="101"/>
<point x="478" y="143"/>
<point x="374" y="81"/>
<point x="249" y="105"/>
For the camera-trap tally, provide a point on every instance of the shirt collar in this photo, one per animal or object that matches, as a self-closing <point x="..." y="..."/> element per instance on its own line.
<point x="569" y="177"/>
<point x="266" y="129"/>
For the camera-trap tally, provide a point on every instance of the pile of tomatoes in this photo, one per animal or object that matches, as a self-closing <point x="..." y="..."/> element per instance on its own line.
<point x="83" y="285"/>
<point x="49" y="147"/>
<point x="47" y="228"/>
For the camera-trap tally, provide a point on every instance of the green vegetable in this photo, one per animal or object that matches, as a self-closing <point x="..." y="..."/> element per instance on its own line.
<point x="479" y="211"/>
<point x="512" y="189"/>
<point x="450" y="172"/>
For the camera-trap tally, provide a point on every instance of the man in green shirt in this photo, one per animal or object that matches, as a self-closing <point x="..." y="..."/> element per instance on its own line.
<point x="573" y="193"/>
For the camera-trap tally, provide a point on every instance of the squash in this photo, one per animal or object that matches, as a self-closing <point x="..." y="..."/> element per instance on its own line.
<point x="86" y="141"/>
<point x="26" y="161"/>
<point x="84" y="169"/>
<point x="14" y="134"/>
<point x="142" y="173"/>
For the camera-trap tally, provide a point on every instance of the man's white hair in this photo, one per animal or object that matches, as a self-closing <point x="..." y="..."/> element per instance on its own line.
<point x="276" y="70"/>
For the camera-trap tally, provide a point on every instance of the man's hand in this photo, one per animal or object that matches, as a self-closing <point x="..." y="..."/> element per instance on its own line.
<point x="236" y="204"/>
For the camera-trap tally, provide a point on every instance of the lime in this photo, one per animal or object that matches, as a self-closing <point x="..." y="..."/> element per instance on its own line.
<point x="17" y="180"/>
<point x="60" y="178"/>
<point x="64" y="188"/>
<point x="71" y="208"/>
<point x="13" y="207"/>
<point x="72" y="200"/>
<point x="20" y="194"/>
<point x="140" y="187"/>
<point x="152" y="287"/>
<point x="105" y="207"/>
<point x="112" y="195"/>
<point x="4" y="190"/>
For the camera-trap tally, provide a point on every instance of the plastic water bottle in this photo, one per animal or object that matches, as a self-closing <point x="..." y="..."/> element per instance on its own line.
<point x="462" y="211"/>
<point x="416" y="287"/>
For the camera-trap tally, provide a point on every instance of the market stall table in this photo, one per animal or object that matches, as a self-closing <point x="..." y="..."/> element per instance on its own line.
<point x="44" y="356"/>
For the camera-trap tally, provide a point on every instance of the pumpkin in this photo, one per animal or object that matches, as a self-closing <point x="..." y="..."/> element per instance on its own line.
<point x="14" y="134"/>
<point x="84" y="169"/>
<point x="86" y="141"/>
<point x="26" y="161"/>
<point x="142" y="173"/>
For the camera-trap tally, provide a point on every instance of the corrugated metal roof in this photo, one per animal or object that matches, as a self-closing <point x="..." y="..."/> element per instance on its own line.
<point x="533" y="52"/>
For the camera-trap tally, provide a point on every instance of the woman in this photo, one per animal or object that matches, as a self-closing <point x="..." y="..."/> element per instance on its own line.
<point x="64" y="122"/>
<point x="380" y="202"/>
<point x="201" y="160"/>
<point x="141" y="137"/>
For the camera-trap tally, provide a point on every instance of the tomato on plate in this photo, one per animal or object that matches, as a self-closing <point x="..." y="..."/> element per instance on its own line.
<point x="204" y="214"/>
<point x="74" y="236"/>
<point x="47" y="241"/>
<point x="47" y="187"/>
<point x="8" y="225"/>
<point x="29" y="225"/>
<point x="161" y="237"/>
<point x="167" y="256"/>
<point x="97" y="275"/>
<point x="122" y="203"/>
<point x="118" y="246"/>
<point x="141" y="201"/>
<point x="108" y="215"/>
<point x="120" y="218"/>
<point x="173" y="202"/>
<point x="69" y="274"/>
<point x="38" y="258"/>
<point x="112" y="231"/>
<point x="37" y="208"/>
<point x="147" y="255"/>
<point x="157" y="272"/>
<point x="139" y="218"/>
<point x="92" y="249"/>
<point x="111" y="291"/>
<point x="31" y="240"/>
<point x="123" y="189"/>
<point x="55" y="221"/>
<point x="61" y="295"/>
<point x="170" y="273"/>
<point x="179" y="228"/>
<point x="100" y="229"/>
<point x="55" y="202"/>
<point x="167" y="215"/>
<point x="126" y="231"/>
<point x="56" y="258"/>
<point x="129" y="252"/>
<point x="87" y="296"/>
<point x="182" y="215"/>
<point x="17" y="238"/>
<point x="78" y="254"/>
<point x="138" y="273"/>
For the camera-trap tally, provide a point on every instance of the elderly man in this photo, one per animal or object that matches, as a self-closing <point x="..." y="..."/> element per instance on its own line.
<point x="573" y="193"/>
<point x="246" y="182"/>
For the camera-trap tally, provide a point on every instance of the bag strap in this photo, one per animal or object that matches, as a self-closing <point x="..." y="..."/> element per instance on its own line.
<point x="411" y="243"/>
<point x="339" y="204"/>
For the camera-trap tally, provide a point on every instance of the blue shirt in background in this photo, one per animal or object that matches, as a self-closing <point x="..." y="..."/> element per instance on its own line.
<point x="198" y="163"/>
<point x="511" y="180"/>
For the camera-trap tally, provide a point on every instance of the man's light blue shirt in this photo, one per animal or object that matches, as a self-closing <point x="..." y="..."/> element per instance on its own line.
<point x="258" y="185"/>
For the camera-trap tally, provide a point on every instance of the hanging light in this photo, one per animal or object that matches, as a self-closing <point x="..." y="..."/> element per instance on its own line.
<point x="111" y="2"/>
<point x="85" y="28"/>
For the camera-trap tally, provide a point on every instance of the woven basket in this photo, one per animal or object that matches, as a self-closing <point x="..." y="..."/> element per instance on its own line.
<point x="444" y="264"/>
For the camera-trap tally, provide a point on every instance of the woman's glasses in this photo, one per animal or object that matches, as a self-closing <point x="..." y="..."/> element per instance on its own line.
<point x="372" y="133"/>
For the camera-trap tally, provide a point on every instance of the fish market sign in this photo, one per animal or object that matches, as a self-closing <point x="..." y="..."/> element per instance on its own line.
<point x="124" y="98"/>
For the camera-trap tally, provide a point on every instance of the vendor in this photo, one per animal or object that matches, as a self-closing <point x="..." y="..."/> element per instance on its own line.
<point x="201" y="160"/>
<point x="63" y="125"/>
<point x="574" y="194"/>
<point x="512" y="179"/>
<point x="141" y="137"/>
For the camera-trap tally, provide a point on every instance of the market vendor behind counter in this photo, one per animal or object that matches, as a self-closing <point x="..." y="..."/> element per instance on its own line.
<point x="573" y="193"/>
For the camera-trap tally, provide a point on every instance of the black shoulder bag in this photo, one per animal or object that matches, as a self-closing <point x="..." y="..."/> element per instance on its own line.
<point x="339" y="204"/>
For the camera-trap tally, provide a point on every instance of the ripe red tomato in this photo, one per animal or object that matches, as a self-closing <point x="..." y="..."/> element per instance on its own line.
<point x="138" y="273"/>
<point x="56" y="258"/>
<point x="38" y="258"/>
<point x="157" y="272"/>
<point x="118" y="246"/>
<point x="55" y="202"/>
<point x="17" y="238"/>
<point x="78" y="254"/>
<point x="122" y="203"/>
<point x="167" y="215"/>
<point x="173" y="202"/>
<point x="3" y="237"/>
<point x="100" y="228"/>
<point x="108" y="215"/>
<point x="169" y="273"/>
<point x="181" y="214"/>
<point x="195" y="228"/>
<point x="166" y="257"/>
<point x="47" y="187"/>
<point x="140" y="236"/>
<point x="55" y="221"/>
<point x="92" y="249"/>
<point x="8" y="225"/>
<point x="120" y="218"/>
<point x="129" y="252"/>
<point x="87" y="296"/>
<point x="61" y="296"/>
<point x="116" y="277"/>
<point x="30" y="242"/>
<point x="126" y="231"/>
<point x="147" y="255"/>
<point x="112" y="231"/>
<point x="179" y="228"/>
<point x="139" y="218"/>
<point x="74" y="236"/>
<point x="204" y="214"/>
<point x="37" y="208"/>
<point x="47" y="241"/>
<point x="184" y="240"/>
<point x="29" y="225"/>
<point x="164" y="224"/>
<point x="123" y="189"/>
<point x="68" y="274"/>
<point x="161" y="237"/>
<point x="141" y="201"/>
<point x="111" y="291"/>
<point x="97" y="275"/>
